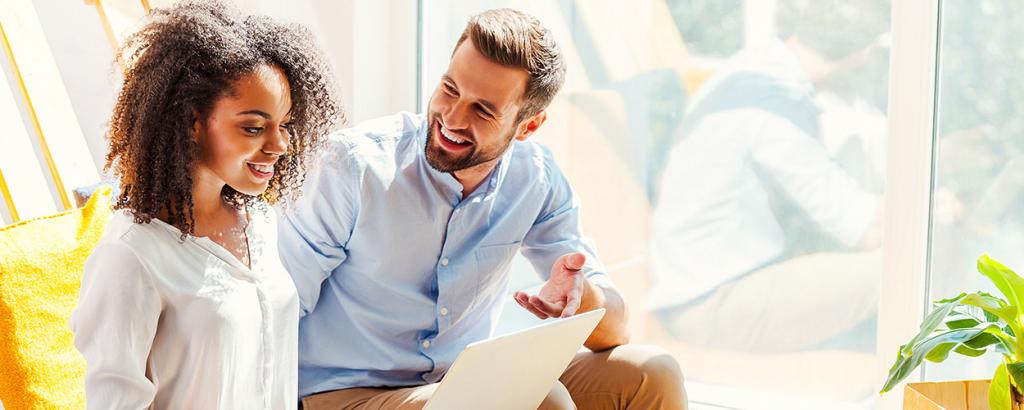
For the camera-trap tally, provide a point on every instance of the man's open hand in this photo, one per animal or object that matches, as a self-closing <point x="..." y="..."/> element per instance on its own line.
<point x="562" y="294"/>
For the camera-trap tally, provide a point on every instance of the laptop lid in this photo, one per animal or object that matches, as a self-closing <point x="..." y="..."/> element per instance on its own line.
<point x="513" y="371"/>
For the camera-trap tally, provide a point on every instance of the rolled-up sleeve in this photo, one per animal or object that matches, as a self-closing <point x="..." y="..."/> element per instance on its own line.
<point x="313" y="232"/>
<point x="114" y="325"/>
<point x="557" y="230"/>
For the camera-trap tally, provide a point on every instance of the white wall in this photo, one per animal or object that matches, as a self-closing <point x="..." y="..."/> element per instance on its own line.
<point x="86" y="63"/>
<point x="371" y="45"/>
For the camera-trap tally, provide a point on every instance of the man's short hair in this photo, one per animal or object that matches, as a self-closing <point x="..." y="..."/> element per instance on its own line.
<point x="515" y="39"/>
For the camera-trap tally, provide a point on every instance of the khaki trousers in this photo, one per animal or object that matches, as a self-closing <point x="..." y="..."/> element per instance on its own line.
<point x="625" y="377"/>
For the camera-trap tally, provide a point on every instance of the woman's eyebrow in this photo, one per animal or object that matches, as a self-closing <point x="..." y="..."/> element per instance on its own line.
<point x="255" y="112"/>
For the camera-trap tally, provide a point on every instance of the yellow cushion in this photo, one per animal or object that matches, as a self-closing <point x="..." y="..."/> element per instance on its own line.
<point x="41" y="262"/>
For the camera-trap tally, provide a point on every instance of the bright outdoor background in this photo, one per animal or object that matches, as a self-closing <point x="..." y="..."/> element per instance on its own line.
<point x="741" y="144"/>
<point x="646" y="185"/>
<point x="979" y="156"/>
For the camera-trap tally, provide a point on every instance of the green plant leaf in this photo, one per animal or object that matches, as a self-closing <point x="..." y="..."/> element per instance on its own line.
<point x="991" y="304"/>
<point x="940" y="302"/>
<point x="911" y="356"/>
<point x="1016" y="371"/>
<point x="903" y="366"/>
<point x="1007" y="281"/>
<point x="1005" y="343"/>
<point x="932" y="322"/>
<point x="974" y="347"/>
<point x="968" y="351"/>
<point x="940" y="352"/>
<point x="962" y="323"/>
<point x="1005" y="312"/>
<point x="990" y="317"/>
<point x="999" y="389"/>
<point x="982" y="341"/>
<point x="971" y="324"/>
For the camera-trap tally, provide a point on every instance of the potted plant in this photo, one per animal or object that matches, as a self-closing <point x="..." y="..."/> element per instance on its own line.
<point x="972" y="324"/>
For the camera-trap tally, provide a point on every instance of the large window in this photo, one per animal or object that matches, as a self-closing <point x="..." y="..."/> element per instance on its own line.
<point x="730" y="160"/>
<point x="979" y="162"/>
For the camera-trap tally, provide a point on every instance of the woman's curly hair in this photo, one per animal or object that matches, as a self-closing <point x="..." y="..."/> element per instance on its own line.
<point x="176" y="67"/>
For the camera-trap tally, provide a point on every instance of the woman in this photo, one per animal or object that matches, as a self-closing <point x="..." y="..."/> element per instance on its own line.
<point x="184" y="303"/>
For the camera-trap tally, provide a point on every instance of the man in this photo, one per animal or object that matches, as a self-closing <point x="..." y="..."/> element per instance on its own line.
<point x="400" y="247"/>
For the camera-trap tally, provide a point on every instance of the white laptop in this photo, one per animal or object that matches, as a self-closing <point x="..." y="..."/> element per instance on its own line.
<point x="513" y="371"/>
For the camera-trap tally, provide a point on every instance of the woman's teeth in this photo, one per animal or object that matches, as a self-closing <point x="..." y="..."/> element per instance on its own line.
<point x="262" y="168"/>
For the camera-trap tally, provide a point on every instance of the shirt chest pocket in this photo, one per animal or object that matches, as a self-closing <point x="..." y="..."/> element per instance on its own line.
<point x="493" y="263"/>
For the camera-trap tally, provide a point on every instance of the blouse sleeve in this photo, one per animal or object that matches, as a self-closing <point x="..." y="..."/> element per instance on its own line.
<point x="114" y="325"/>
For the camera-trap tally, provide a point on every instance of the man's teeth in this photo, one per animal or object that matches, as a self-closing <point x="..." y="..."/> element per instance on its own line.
<point x="262" y="168"/>
<point x="451" y="137"/>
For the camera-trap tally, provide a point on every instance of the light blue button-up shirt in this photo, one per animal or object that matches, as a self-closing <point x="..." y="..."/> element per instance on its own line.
<point x="396" y="271"/>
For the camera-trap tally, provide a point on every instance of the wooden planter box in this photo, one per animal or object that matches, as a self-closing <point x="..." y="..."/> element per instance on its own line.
<point x="951" y="395"/>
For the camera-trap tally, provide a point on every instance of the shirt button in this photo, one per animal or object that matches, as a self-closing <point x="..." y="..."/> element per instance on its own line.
<point x="444" y="261"/>
<point x="425" y="344"/>
<point x="444" y="311"/>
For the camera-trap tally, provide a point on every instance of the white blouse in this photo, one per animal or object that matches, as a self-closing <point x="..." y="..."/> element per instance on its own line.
<point x="171" y="324"/>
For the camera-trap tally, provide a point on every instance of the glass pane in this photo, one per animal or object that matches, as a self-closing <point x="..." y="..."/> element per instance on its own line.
<point x="979" y="165"/>
<point x="729" y="159"/>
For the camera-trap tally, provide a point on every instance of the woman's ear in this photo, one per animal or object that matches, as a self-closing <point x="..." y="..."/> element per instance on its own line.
<point x="198" y="128"/>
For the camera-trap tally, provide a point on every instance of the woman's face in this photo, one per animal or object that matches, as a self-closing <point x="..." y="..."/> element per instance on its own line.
<point x="246" y="132"/>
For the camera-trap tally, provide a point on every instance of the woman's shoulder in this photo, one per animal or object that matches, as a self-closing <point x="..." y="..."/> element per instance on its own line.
<point x="116" y="255"/>
<point x="125" y="228"/>
<point x="146" y="241"/>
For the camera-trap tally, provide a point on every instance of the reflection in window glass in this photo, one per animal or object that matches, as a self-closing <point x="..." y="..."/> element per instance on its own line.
<point x="979" y="168"/>
<point x="731" y="178"/>
<point x="767" y="214"/>
<point x="720" y="39"/>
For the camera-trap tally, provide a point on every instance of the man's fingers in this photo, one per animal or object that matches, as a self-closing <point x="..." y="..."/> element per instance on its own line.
<point x="544" y="309"/>
<point x="551" y="309"/>
<point x="523" y="301"/>
<point x="571" y="305"/>
<point x="536" y="312"/>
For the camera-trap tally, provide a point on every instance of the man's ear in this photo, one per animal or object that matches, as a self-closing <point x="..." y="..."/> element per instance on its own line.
<point x="530" y="125"/>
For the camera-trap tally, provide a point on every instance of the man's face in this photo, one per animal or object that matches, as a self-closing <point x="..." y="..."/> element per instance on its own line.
<point x="472" y="112"/>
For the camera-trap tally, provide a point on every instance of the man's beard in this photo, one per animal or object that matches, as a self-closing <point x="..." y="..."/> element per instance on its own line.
<point x="439" y="159"/>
